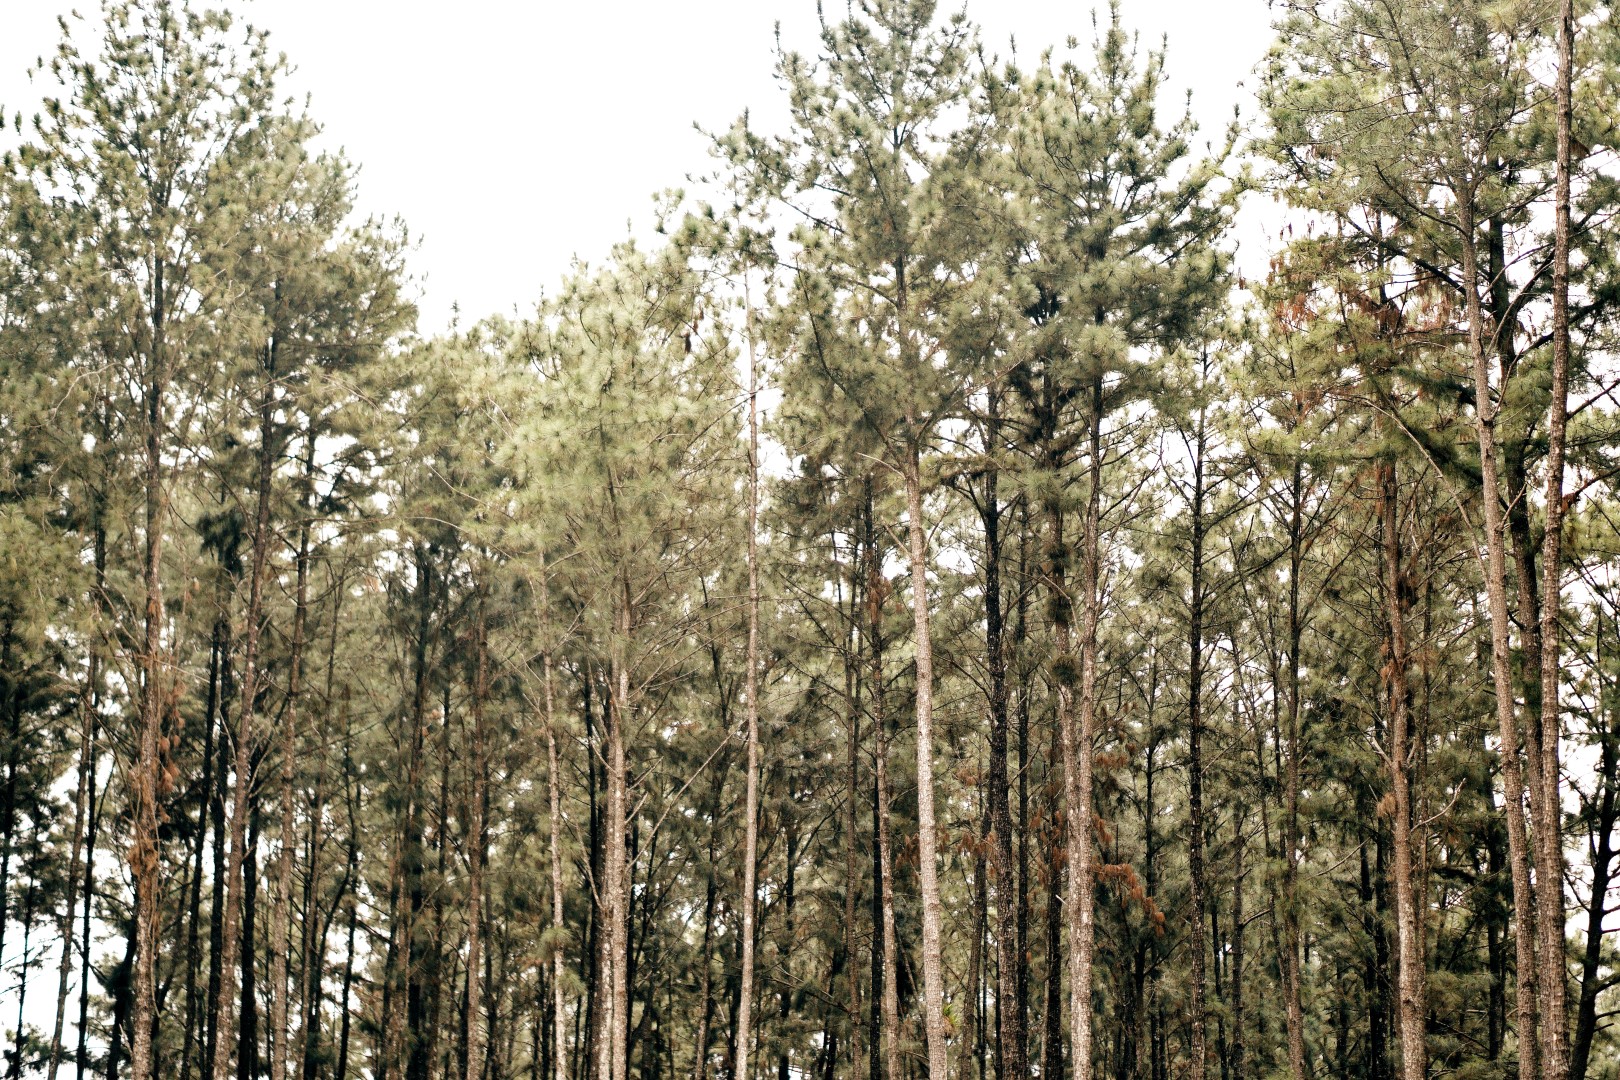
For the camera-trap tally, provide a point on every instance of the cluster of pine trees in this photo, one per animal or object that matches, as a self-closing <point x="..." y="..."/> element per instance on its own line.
<point x="1090" y="664"/>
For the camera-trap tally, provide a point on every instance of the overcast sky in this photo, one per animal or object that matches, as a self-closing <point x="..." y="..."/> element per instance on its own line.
<point x="513" y="136"/>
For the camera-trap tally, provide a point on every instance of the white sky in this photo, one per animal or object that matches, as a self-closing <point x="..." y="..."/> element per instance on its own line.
<point x="513" y="136"/>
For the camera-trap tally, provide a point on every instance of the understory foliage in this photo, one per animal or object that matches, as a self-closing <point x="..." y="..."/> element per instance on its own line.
<point x="926" y="615"/>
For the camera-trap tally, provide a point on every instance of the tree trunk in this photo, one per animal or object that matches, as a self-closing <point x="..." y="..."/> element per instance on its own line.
<point x="1549" y="833"/>
<point x="148" y="782"/>
<point x="81" y="803"/>
<point x="476" y="841"/>
<point x="852" y="710"/>
<point x="1020" y="637"/>
<point x="281" y="910"/>
<point x="559" y="1031"/>
<point x="1195" y="759"/>
<point x="614" y="1064"/>
<point x="744" y="1033"/>
<point x="1409" y="904"/>
<point x="1604" y="817"/>
<point x="1239" y="1065"/>
<point x="887" y="974"/>
<point x="247" y="1057"/>
<point x="1293" y="991"/>
<point x="1014" y="1062"/>
<point x="927" y="827"/>
<point x="1077" y="733"/>
<point x="81" y="1057"/>
<point x="1052" y="1007"/>
<point x="1495" y="569"/>
<point x="231" y="917"/>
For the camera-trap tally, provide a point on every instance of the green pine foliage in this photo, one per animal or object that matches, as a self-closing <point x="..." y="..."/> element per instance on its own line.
<point x="373" y="705"/>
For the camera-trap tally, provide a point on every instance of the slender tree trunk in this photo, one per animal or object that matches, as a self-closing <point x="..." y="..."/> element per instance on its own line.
<point x="477" y="838"/>
<point x="147" y="781"/>
<point x="1020" y="637"/>
<point x="231" y="917"/>
<point x="351" y="797"/>
<point x="751" y="717"/>
<point x="11" y="706"/>
<point x="1052" y="1007"/>
<point x="122" y="999"/>
<point x="1014" y="1062"/>
<point x="1408" y="901"/>
<point x="1196" y="825"/>
<point x="1604" y="817"/>
<point x="559" y="1030"/>
<point x="1239" y="1065"/>
<point x="1549" y="833"/>
<point x="700" y="1055"/>
<point x="314" y="967"/>
<point x="195" y="1023"/>
<point x="1293" y="992"/>
<point x="29" y="896"/>
<point x="927" y="826"/>
<point x="614" y="1063"/>
<point x="92" y="805"/>
<point x="1076" y="733"/>
<point x="281" y="910"/>
<point x="888" y="975"/>
<point x="247" y="1057"/>
<point x="218" y="836"/>
<point x="1513" y="790"/>
<point x="852" y="709"/>
<point x="81" y="1055"/>
<point x="81" y="804"/>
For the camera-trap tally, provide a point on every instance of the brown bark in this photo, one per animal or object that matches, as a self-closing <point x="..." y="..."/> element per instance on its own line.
<point x="889" y="993"/>
<point x="1402" y="749"/>
<point x="852" y="708"/>
<point x="1604" y="816"/>
<point x="744" y="1032"/>
<point x="281" y="910"/>
<point x="147" y="781"/>
<point x="1294" y="1011"/>
<point x="1549" y="835"/>
<point x="81" y="803"/>
<point x="1195" y="762"/>
<point x="1495" y="570"/>
<point x="559" y="1032"/>
<point x="231" y="917"/>
<point x="1014" y="1061"/>
<point x="614" y="1059"/>
<point x="1077" y="733"/>
<point x="927" y="826"/>
<point x="476" y="1030"/>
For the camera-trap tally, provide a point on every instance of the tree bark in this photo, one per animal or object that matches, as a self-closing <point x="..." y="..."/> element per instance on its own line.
<point x="1014" y="1060"/>
<point x="559" y="1031"/>
<point x="231" y="917"/>
<point x="1549" y="833"/>
<point x="281" y="910"/>
<point x="1409" y="904"/>
<point x="1605" y="815"/>
<point x="927" y="826"/>
<point x="477" y="838"/>
<point x="148" y="781"/>
<point x="614" y="1063"/>
<point x="751" y="719"/>
<point x="1495" y="568"/>
<point x="81" y="803"/>
<point x="1077" y="733"/>
<point x="1195" y="760"/>
<point x="887" y="973"/>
